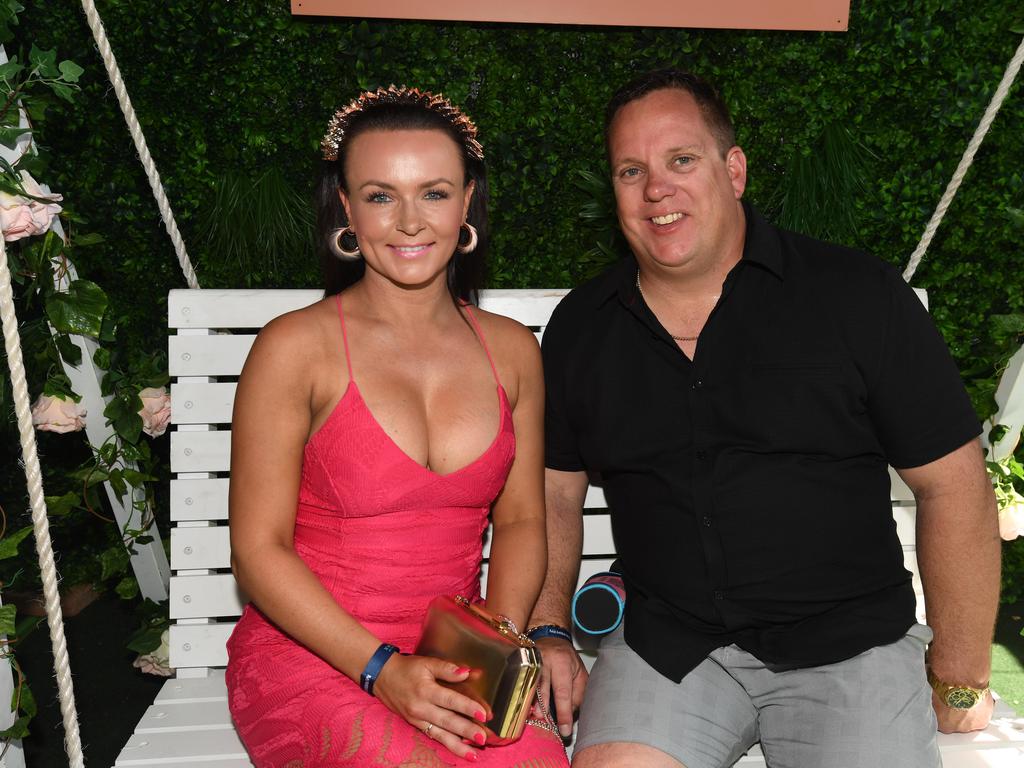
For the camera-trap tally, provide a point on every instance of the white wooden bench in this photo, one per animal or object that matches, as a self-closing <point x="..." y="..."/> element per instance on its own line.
<point x="211" y="332"/>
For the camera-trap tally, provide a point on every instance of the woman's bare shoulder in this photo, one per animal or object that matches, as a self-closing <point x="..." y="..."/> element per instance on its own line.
<point x="505" y="332"/>
<point x="296" y="338"/>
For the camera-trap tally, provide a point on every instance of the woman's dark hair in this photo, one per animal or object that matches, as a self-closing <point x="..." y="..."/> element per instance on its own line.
<point x="710" y="103"/>
<point x="465" y="270"/>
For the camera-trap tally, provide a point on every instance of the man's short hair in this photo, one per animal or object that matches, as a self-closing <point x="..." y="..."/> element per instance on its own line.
<point x="711" y="106"/>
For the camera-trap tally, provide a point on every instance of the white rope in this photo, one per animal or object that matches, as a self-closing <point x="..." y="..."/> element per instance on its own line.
<point x="40" y="523"/>
<point x="114" y="73"/>
<point x="965" y="162"/>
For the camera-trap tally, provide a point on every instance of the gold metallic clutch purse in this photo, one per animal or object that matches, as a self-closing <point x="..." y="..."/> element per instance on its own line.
<point x="505" y="664"/>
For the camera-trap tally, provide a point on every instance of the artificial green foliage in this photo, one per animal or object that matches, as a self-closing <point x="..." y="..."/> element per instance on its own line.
<point x="851" y="136"/>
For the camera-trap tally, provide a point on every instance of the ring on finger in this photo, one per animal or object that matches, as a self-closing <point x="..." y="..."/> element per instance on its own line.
<point x="426" y="730"/>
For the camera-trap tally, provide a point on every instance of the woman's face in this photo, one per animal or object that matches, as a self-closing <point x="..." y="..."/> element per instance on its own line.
<point x="406" y="202"/>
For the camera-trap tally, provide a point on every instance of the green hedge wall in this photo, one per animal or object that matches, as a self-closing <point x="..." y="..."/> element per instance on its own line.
<point x="238" y="88"/>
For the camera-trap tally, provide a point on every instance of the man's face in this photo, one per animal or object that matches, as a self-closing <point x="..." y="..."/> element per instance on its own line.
<point x="677" y="196"/>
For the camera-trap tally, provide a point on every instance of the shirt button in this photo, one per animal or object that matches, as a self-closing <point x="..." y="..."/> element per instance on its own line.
<point x="707" y="521"/>
<point x="718" y="594"/>
<point x="701" y="455"/>
<point x="698" y="384"/>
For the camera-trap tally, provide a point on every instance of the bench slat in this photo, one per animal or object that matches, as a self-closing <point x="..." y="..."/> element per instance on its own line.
<point x="179" y="748"/>
<point x="207" y="403"/>
<point x="199" y="499"/>
<point x="240" y="308"/>
<point x="199" y="645"/>
<point x="200" y="451"/>
<point x="199" y="548"/>
<point x="219" y="355"/>
<point x="198" y="716"/>
<point x="231" y="308"/>
<point x="188" y="690"/>
<point x="205" y="596"/>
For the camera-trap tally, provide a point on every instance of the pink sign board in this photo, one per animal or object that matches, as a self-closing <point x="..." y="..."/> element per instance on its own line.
<point x="825" y="15"/>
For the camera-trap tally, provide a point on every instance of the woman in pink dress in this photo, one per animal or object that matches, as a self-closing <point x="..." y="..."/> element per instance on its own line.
<point x="373" y="433"/>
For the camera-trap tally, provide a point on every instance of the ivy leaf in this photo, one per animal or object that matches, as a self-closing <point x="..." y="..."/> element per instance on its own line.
<point x="997" y="433"/>
<point x="66" y="92"/>
<point x="117" y="483"/>
<point x="135" y="478"/>
<point x="1016" y="214"/>
<point x="113" y="561"/>
<point x="146" y="638"/>
<point x="17" y="731"/>
<point x="101" y="358"/>
<point x="9" y="548"/>
<point x="80" y="310"/>
<point x="58" y="506"/>
<point x="124" y="418"/>
<point x="45" y="62"/>
<point x="108" y="330"/>
<point x="59" y="385"/>
<point x="70" y="71"/>
<point x="11" y="69"/>
<point x="28" y="701"/>
<point x="127" y="588"/>
<point x="9" y="10"/>
<point x="7" y="619"/>
<point x="9" y="135"/>
<point x="70" y="352"/>
<point x="89" y="238"/>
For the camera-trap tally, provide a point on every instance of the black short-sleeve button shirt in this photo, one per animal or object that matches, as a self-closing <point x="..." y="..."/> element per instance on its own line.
<point x="749" y="488"/>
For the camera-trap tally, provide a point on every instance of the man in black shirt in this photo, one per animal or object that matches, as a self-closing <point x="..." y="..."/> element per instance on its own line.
<point x="740" y="391"/>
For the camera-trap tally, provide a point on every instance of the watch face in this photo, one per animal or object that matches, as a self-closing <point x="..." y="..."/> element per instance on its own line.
<point x="961" y="698"/>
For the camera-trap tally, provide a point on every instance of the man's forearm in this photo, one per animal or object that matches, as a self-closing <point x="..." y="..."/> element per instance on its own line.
<point x="958" y="554"/>
<point x="958" y="550"/>
<point x="564" y="494"/>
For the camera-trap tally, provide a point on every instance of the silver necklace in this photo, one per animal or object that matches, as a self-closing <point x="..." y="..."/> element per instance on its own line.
<point x="641" y="291"/>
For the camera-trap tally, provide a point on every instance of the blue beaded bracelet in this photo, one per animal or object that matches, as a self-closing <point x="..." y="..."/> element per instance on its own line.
<point x="549" y="630"/>
<point x="374" y="666"/>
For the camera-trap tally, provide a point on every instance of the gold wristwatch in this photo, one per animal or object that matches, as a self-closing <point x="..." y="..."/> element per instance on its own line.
<point x="956" y="696"/>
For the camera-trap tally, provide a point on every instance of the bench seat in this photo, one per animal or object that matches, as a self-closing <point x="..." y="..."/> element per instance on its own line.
<point x="212" y="331"/>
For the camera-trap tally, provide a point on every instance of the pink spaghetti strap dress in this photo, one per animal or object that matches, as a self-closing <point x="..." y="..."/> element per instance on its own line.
<point x="385" y="535"/>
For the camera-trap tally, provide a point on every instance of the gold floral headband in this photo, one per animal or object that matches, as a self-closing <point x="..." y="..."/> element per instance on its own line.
<point x="339" y="123"/>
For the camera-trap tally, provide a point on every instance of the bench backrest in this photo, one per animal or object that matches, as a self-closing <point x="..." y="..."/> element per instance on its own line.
<point x="211" y="333"/>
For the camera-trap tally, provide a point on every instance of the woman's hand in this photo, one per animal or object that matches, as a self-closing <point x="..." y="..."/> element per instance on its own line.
<point x="408" y="686"/>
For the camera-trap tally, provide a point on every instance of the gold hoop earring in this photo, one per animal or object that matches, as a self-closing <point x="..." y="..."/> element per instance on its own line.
<point x="471" y="243"/>
<point x="335" y="241"/>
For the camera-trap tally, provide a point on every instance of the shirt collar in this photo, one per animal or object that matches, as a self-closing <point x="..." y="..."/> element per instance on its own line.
<point x="761" y="246"/>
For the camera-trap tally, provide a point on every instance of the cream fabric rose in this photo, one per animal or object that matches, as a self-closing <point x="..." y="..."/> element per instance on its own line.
<point x="1011" y="520"/>
<point x="156" y="410"/>
<point x="157" y="662"/>
<point x="55" y="414"/>
<point x="22" y="217"/>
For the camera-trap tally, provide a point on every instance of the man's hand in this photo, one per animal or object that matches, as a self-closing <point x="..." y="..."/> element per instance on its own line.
<point x="964" y="720"/>
<point x="563" y="674"/>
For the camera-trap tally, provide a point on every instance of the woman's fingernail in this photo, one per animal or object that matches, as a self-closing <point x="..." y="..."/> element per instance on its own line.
<point x="472" y="757"/>
<point x="461" y="670"/>
<point x="479" y="715"/>
<point x="479" y="738"/>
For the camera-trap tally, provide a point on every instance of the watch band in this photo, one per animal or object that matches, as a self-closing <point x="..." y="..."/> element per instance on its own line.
<point x="549" y="630"/>
<point x="373" y="667"/>
<point x="956" y="696"/>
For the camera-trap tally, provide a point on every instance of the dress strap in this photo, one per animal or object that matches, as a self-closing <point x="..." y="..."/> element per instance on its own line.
<point x="344" y="335"/>
<point x="483" y="341"/>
